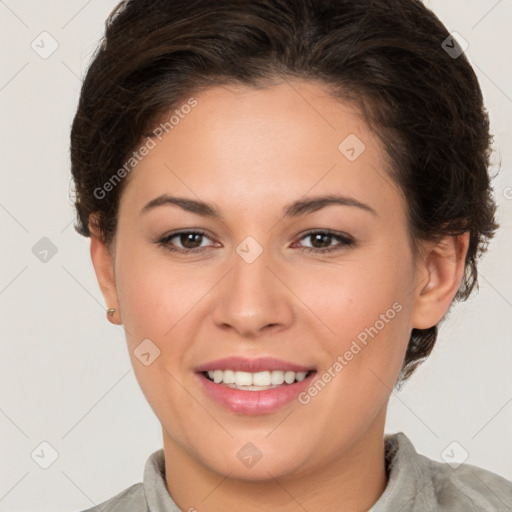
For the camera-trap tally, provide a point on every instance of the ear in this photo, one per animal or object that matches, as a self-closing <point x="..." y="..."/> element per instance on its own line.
<point x="103" y="263"/>
<point x="440" y="272"/>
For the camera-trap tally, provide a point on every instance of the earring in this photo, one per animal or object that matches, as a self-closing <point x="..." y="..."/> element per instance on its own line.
<point x="110" y="316"/>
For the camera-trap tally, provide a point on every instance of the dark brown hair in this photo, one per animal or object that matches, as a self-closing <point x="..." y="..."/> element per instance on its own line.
<point x="390" y="57"/>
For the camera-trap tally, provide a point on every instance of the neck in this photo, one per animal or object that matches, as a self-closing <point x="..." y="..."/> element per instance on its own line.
<point x="349" y="481"/>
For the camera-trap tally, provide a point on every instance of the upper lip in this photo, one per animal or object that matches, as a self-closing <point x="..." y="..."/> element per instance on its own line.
<point x="244" y="364"/>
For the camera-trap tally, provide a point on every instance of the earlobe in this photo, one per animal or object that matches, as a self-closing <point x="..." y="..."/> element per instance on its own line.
<point x="440" y="272"/>
<point x="103" y="265"/>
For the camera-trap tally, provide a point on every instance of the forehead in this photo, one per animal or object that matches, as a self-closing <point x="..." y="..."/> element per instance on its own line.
<point x="269" y="145"/>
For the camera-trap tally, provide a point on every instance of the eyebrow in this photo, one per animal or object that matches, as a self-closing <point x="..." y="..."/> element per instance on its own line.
<point x="294" y="209"/>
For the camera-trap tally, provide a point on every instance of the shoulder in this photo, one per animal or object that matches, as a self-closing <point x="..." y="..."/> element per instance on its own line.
<point x="132" y="499"/>
<point x="474" y="487"/>
<point x="433" y="485"/>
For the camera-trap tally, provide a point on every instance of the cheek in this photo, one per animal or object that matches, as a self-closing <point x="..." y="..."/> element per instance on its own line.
<point x="154" y="297"/>
<point x="356" y="299"/>
<point x="366" y="304"/>
<point x="154" y="300"/>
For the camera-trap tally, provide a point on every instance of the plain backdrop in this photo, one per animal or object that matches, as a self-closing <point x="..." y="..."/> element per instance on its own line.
<point x="65" y="374"/>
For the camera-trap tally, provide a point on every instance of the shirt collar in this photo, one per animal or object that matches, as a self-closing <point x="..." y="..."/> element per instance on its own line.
<point x="157" y="496"/>
<point x="406" y="476"/>
<point x="406" y="479"/>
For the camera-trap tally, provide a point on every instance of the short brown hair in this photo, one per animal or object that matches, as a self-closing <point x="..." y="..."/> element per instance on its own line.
<point x="388" y="56"/>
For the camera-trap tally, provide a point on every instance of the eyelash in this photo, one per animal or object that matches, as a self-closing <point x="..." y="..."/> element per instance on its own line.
<point x="345" y="240"/>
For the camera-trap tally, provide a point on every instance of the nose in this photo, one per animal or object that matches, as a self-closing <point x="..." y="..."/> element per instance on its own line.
<point x="252" y="301"/>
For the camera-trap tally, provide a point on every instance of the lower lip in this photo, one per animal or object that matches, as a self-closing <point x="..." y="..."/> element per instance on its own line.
<point x="254" y="402"/>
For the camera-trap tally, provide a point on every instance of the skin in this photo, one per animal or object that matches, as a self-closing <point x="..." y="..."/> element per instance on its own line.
<point x="251" y="152"/>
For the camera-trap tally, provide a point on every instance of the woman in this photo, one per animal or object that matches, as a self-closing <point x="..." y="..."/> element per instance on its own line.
<point x="284" y="198"/>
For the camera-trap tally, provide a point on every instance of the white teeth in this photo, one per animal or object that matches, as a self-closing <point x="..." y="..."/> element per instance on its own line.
<point x="277" y="377"/>
<point x="255" y="380"/>
<point x="243" y="379"/>
<point x="289" y="377"/>
<point x="300" y="376"/>
<point x="261" y="379"/>
<point x="229" y="377"/>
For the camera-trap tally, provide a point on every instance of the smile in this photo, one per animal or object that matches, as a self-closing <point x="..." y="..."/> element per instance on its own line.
<point x="258" y="381"/>
<point x="254" y="399"/>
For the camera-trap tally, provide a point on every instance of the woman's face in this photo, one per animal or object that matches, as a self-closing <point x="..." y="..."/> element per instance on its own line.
<point x="251" y="287"/>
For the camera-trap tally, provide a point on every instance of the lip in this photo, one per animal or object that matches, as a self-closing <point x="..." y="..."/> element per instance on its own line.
<point x="254" y="402"/>
<point x="244" y="364"/>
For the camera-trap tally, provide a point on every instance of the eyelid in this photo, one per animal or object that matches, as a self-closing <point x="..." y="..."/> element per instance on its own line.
<point x="345" y="241"/>
<point x="164" y="241"/>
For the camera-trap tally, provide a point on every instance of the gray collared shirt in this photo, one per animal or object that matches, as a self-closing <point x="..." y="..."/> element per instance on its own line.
<point x="416" y="484"/>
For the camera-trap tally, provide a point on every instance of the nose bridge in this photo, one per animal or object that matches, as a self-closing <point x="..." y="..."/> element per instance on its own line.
<point x="252" y="297"/>
<point x="250" y="268"/>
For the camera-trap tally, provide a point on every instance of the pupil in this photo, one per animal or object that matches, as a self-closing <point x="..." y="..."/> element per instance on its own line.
<point x="187" y="238"/>
<point x="320" y="235"/>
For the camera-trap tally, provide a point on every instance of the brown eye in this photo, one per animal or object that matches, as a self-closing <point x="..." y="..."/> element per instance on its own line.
<point x="321" y="241"/>
<point x="184" y="241"/>
<point x="189" y="240"/>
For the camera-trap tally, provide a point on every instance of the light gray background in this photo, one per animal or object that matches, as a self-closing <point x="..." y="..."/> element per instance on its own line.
<point x="65" y="375"/>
